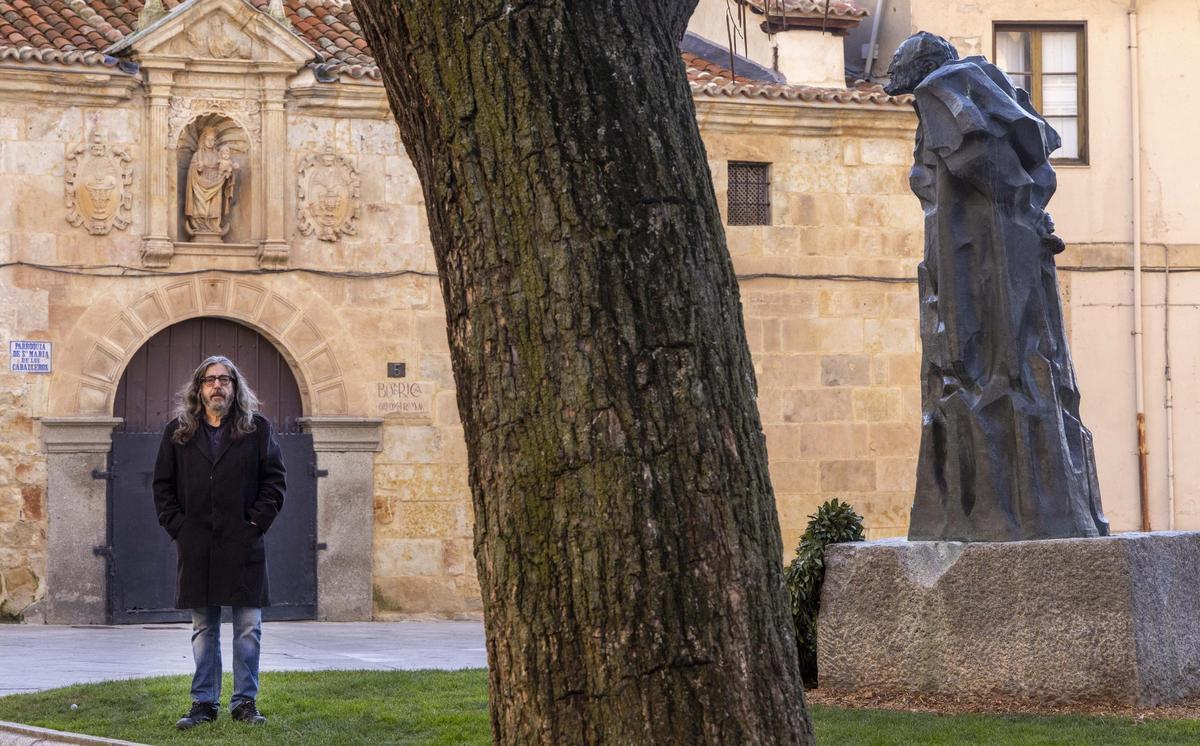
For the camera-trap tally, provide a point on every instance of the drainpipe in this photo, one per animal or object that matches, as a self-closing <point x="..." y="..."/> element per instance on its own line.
<point x="1138" y="357"/>
<point x="875" y="23"/>
<point x="1169" y="401"/>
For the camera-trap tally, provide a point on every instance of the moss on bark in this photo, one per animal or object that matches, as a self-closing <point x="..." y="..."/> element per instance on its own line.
<point x="628" y="547"/>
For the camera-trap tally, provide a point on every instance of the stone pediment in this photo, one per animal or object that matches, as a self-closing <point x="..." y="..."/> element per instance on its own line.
<point x="229" y="31"/>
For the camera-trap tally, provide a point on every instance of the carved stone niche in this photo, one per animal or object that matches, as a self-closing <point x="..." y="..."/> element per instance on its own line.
<point x="98" y="194"/>
<point x="328" y="195"/>
<point x="214" y="182"/>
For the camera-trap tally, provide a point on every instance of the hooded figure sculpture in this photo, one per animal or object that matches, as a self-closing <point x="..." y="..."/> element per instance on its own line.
<point x="1004" y="455"/>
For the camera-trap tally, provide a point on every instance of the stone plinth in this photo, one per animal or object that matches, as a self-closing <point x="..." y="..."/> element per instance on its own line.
<point x="1102" y="620"/>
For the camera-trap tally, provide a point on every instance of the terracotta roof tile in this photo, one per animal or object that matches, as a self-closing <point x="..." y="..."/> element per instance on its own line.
<point x="839" y="8"/>
<point x="834" y="16"/>
<point x="712" y="79"/>
<point x="75" y="32"/>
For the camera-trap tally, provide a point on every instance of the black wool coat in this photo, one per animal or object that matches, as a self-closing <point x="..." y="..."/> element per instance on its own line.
<point x="207" y="501"/>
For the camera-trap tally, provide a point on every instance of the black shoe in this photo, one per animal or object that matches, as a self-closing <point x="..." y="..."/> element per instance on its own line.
<point x="201" y="712"/>
<point x="247" y="712"/>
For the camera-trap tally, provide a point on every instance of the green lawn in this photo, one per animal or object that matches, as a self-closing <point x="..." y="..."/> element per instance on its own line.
<point x="331" y="708"/>
<point x="886" y="728"/>
<point x="326" y="708"/>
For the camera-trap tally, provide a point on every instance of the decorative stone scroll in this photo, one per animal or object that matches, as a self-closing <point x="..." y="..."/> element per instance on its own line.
<point x="273" y="256"/>
<point x="328" y="196"/>
<point x="186" y="110"/>
<point x="98" y="194"/>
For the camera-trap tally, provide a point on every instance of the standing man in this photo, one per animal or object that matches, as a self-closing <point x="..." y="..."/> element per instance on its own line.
<point x="218" y="486"/>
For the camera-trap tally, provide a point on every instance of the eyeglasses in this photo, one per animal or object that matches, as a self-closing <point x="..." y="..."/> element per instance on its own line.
<point x="210" y="380"/>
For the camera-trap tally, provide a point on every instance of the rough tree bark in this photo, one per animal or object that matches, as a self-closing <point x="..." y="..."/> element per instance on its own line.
<point x="625" y="527"/>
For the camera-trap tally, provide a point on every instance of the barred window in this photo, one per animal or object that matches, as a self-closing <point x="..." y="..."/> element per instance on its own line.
<point x="749" y="193"/>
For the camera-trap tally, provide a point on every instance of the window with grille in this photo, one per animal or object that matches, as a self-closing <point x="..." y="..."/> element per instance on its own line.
<point x="1048" y="60"/>
<point x="749" y="193"/>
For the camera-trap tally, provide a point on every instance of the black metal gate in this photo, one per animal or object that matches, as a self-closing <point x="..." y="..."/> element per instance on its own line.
<point x="141" y="557"/>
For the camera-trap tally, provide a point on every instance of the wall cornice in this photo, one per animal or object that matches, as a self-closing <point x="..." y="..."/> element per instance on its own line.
<point x="1093" y="255"/>
<point x="344" y="434"/>
<point x="353" y="100"/>
<point x="78" y="434"/>
<point x="63" y="85"/>
<point x="791" y="118"/>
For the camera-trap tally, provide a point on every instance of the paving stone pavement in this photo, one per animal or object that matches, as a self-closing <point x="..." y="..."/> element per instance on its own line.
<point x="35" y="657"/>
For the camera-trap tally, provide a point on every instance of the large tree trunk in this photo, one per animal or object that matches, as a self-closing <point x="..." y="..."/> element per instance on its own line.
<point x="625" y="528"/>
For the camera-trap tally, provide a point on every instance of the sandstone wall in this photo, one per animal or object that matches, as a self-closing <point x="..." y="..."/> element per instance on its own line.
<point x="835" y="345"/>
<point x="337" y="333"/>
<point x="423" y="564"/>
<point x="836" y="358"/>
<point x="34" y="143"/>
<point x="22" y="480"/>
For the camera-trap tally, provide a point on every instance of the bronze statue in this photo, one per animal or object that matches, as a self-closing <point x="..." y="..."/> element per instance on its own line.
<point x="1004" y="455"/>
<point x="211" y="184"/>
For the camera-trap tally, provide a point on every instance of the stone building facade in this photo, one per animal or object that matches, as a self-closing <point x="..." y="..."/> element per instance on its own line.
<point x="323" y="252"/>
<point x="1118" y="73"/>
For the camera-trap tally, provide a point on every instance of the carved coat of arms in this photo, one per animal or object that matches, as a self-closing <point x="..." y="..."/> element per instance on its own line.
<point x="98" y="194"/>
<point x="329" y="196"/>
<point x="219" y="40"/>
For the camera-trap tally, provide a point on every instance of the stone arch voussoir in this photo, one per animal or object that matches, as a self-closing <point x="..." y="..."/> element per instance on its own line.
<point x="110" y="333"/>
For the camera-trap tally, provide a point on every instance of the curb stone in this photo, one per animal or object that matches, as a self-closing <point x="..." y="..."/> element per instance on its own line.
<point x="18" y="734"/>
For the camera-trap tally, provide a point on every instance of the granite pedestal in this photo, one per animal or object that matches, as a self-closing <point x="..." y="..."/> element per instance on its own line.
<point x="1112" y="620"/>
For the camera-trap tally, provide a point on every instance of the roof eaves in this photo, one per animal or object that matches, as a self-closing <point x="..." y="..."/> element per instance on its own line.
<point x="50" y="56"/>
<point x="331" y="72"/>
<point x="818" y="8"/>
<point x="706" y="84"/>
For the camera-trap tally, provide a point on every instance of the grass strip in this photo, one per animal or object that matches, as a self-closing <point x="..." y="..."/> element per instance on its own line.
<point x="331" y="708"/>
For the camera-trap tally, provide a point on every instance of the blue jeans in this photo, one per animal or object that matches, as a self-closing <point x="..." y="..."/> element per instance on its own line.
<point x="206" y="649"/>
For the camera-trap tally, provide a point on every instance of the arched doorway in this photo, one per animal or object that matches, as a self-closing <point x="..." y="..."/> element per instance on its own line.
<point x="141" y="557"/>
<point x="146" y="394"/>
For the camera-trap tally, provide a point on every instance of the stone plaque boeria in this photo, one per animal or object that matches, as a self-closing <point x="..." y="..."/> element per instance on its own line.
<point x="402" y="399"/>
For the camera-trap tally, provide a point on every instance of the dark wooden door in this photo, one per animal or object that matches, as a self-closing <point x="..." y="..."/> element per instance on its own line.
<point x="141" y="572"/>
<point x="141" y="567"/>
<point x="146" y="394"/>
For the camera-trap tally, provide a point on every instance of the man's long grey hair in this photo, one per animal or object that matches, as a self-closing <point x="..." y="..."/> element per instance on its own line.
<point x="189" y="407"/>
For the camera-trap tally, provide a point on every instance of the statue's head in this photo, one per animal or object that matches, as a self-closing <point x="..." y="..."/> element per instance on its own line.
<point x="208" y="138"/>
<point x="915" y="59"/>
